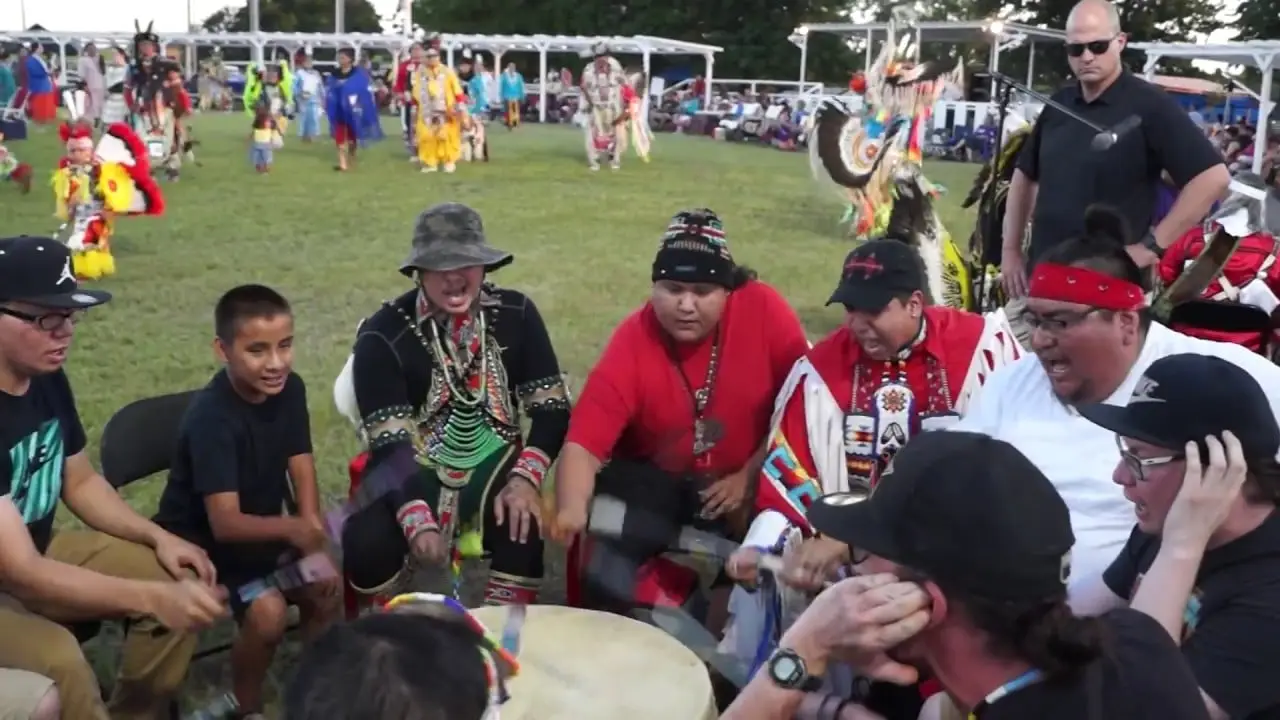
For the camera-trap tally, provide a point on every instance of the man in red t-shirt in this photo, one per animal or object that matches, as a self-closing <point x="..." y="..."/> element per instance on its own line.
<point x="404" y="94"/>
<point x="678" y="406"/>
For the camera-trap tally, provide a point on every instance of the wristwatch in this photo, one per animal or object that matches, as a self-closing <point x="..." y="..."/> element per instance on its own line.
<point x="787" y="670"/>
<point x="1149" y="242"/>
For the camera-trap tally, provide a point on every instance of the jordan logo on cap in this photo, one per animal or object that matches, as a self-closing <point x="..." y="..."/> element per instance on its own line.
<point x="1143" y="391"/>
<point x="67" y="275"/>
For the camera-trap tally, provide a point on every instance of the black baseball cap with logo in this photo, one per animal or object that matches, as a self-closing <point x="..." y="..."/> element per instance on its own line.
<point x="876" y="272"/>
<point x="967" y="510"/>
<point x="38" y="271"/>
<point x="1185" y="398"/>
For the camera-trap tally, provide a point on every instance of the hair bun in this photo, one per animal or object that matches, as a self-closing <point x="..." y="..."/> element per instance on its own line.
<point x="1103" y="222"/>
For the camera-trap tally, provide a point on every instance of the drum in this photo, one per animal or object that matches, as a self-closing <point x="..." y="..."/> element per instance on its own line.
<point x="590" y="665"/>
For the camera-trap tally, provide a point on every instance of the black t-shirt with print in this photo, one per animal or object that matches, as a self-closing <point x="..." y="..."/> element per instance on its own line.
<point x="227" y="444"/>
<point x="41" y="429"/>
<point x="1231" y="632"/>
<point x="1142" y="677"/>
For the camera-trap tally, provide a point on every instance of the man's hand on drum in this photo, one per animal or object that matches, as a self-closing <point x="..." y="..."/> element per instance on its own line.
<point x="743" y="566"/>
<point x="428" y="547"/>
<point x="814" y="563"/>
<point x="570" y="520"/>
<point x="519" y="506"/>
<point x="857" y="620"/>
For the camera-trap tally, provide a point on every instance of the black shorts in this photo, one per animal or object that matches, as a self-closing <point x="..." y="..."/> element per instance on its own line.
<point x="241" y="565"/>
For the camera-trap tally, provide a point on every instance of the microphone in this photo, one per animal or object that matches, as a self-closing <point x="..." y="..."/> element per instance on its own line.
<point x="1106" y="139"/>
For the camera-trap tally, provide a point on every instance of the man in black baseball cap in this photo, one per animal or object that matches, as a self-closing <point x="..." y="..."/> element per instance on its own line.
<point x="39" y="302"/>
<point x="1198" y="440"/>
<point x="877" y="272"/>
<point x="44" y="458"/>
<point x="985" y="535"/>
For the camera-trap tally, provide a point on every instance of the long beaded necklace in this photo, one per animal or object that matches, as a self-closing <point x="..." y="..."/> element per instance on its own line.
<point x="468" y="439"/>
<point x="464" y="439"/>
<point x="705" y="434"/>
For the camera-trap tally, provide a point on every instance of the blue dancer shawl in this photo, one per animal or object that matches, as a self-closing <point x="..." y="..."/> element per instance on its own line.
<point x="349" y="101"/>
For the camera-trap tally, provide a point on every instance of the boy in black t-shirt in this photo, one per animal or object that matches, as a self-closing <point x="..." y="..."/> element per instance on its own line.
<point x="245" y="436"/>
<point x="1198" y="442"/>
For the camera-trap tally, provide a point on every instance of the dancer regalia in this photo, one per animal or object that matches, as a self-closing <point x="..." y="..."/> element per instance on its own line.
<point x="873" y="158"/>
<point x="840" y="418"/>
<point x="404" y="95"/>
<point x="441" y="114"/>
<point x="308" y="93"/>
<point x="990" y="193"/>
<point x="155" y="104"/>
<point x="637" y="116"/>
<point x="450" y="390"/>
<point x="474" y="143"/>
<point x="607" y="94"/>
<point x="271" y="86"/>
<point x="92" y="187"/>
<point x="352" y="111"/>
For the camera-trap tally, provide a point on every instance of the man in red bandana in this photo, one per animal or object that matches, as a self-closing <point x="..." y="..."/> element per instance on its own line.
<point x="896" y="368"/>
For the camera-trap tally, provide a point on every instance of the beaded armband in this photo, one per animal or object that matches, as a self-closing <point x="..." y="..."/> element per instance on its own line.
<point x="388" y="426"/>
<point x="546" y="394"/>
<point x="532" y="465"/>
<point x="415" y="517"/>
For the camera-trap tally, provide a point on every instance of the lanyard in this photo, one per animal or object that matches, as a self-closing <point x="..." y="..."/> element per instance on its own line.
<point x="1029" y="677"/>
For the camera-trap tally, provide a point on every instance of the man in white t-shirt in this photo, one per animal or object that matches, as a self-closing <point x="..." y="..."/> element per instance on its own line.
<point x="1092" y="339"/>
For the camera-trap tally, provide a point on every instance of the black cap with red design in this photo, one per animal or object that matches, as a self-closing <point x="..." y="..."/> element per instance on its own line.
<point x="876" y="272"/>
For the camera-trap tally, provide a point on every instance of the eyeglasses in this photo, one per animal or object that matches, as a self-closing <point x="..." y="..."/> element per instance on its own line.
<point x="47" y="322"/>
<point x="1137" y="466"/>
<point x="1095" y="47"/>
<point x="1054" y="323"/>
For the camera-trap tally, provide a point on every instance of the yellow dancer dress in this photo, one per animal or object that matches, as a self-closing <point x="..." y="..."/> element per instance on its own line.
<point x="439" y="127"/>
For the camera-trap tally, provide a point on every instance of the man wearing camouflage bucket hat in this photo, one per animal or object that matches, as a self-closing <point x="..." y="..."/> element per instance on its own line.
<point x="679" y="403"/>
<point x="441" y="376"/>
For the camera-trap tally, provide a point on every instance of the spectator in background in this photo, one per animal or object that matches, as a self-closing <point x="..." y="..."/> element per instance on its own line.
<point x="90" y="70"/>
<point x="42" y="103"/>
<point x="8" y="86"/>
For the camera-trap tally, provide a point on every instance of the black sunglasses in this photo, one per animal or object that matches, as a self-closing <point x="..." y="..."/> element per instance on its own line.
<point x="47" y="322"/>
<point x="1095" y="47"/>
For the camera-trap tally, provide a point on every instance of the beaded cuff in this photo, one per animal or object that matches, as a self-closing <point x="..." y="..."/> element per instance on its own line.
<point x="388" y="426"/>
<point x="415" y="517"/>
<point x="546" y="394"/>
<point x="532" y="465"/>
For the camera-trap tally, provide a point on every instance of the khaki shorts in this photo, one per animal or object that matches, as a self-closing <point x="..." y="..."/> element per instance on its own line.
<point x="21" y="693"/>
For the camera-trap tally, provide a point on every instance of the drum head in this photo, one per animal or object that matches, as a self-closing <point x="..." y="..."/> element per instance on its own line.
<point x="591" y="665"/>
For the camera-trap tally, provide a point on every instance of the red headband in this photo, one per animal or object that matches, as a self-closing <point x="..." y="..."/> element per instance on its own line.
<point x="1050" y="281"/>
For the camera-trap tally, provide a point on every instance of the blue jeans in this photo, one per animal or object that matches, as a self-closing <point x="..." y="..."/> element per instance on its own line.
<point x="260" y="155"/>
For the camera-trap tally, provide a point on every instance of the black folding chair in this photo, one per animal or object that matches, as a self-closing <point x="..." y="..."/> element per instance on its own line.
<point x="1246" y="325"/>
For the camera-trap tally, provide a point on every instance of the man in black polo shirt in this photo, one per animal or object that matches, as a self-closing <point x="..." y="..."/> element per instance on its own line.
<point x="1204" y="558"/>
<point x="1060" y="176"/>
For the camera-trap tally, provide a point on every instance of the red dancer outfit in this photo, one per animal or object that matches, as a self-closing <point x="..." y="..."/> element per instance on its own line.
<point x="403" y="90"/>
<point x="672" y="418"/>
<point x="1237" y="306"/>
<point x="846" y="409"/>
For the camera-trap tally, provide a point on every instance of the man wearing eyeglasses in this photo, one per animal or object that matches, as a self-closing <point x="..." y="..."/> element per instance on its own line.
<point x="1058" y="175"/>
<point x="1198" y="443"/>
<point x="125" y="566"/>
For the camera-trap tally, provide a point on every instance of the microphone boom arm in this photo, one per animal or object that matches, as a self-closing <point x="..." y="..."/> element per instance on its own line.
<point x="1008" y="82"/>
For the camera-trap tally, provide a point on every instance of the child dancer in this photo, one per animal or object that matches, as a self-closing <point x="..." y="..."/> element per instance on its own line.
<point x="11" y="169"/>
<point x="263" y="138"/>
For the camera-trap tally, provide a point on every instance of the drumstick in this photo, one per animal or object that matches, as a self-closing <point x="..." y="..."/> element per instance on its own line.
<point x="387" y="477"/>
<point x="689" y="632"/>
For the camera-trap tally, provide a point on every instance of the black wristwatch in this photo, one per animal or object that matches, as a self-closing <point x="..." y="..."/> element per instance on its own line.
<point x="787" y="670"/>
<point x="1149" y="242"/>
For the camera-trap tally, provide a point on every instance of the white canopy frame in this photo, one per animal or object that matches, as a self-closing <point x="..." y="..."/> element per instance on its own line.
<point x="1264" y="54"/>
<point x="644" y="45"/>
<point x="1002" y="36"/>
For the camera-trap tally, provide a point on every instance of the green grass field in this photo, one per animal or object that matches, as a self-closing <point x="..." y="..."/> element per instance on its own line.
<point x="331" y="243"/>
